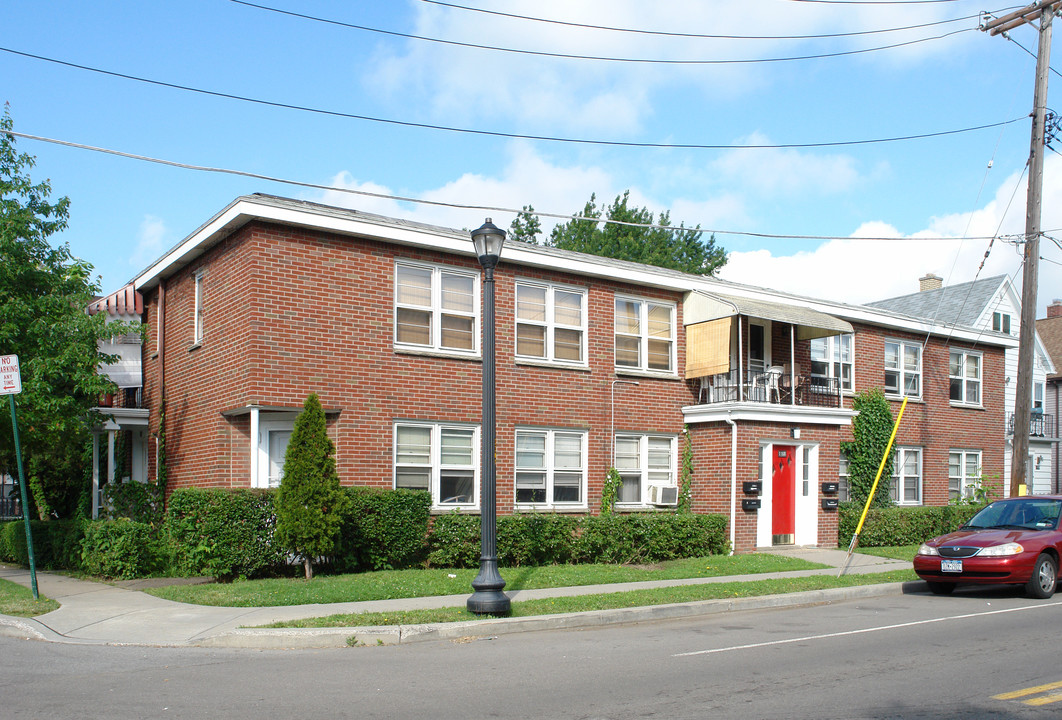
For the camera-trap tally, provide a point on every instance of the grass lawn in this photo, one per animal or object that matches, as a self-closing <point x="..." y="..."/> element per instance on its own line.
<point x="607" y="601"/>
<point x="896" y="552"/>
<point x="18" y="600"/>
<point x="390" y="584"/>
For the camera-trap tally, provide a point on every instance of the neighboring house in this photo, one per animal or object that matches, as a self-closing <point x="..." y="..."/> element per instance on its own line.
<point x="125" y="418"/>
<point x="600" y="363"/>
<point x="1050" y="331"/>
<point x="993" y="305"/>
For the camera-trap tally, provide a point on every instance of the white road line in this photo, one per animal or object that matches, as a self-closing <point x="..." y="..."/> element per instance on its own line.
<point x="866" y="630"/>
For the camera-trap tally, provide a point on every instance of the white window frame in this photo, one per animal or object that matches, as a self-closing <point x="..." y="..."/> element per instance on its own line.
<point x="900" y="482"/>
<point x="434" y="465"/>
<point x="903" y="374"/>
<point x="642" y="335"/>
<point x="198" y="308"/>
<point x="844" y="479"/>
<point x="964" y="473"/>
<point x="435" y="309"/>
<point x="643" y="473"/>
<point x="833" y="354"/>
<point x="549" y="468"/>
<point x="550" y="324"/>
<point x="965" y="382"/>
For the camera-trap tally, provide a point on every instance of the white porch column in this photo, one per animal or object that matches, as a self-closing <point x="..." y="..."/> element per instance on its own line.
<point x="95" y="475"/>
<point x="254" y="447"/>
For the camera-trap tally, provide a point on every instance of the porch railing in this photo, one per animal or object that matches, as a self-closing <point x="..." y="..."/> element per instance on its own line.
<point x="1040" y="425"/>
<point x="771" y="387"/>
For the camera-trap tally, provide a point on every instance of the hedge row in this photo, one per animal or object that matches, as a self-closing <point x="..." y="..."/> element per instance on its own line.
<point x="900" y="525"/>
<point x="545" y="539"/>
<point x="229" y="534"/>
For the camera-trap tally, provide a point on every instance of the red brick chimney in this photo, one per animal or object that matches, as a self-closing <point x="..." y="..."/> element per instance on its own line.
<point x="930" y="282"/>
<point x="1054" y="309"/>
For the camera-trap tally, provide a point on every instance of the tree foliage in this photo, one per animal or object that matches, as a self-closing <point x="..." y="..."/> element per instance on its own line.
<point x="309" y="503"/>
<point x="646" y="239"/>
<point x="44" y="291"/>
<point x="871" y="430"/>
<point x="525" y="226"/>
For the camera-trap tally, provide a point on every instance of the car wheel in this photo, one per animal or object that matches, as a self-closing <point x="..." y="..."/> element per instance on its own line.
<point x="1044" y="578"/>
<point x="939" y="588"/>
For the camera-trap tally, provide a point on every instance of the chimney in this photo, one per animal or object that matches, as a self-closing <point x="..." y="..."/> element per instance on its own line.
<point x="930" y="282"/>
<point x="1054" y="309"/>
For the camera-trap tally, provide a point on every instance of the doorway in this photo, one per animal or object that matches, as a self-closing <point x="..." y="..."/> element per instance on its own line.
<point x="783" y="494"/>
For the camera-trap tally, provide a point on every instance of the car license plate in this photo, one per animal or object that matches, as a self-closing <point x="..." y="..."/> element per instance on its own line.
<point x="951" y="566"/>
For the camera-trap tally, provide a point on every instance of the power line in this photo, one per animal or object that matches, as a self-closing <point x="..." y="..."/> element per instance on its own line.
<point x="702" y="36"/>
<point x="463" y="206"/>
<point x="513" y="136"/>
<point x="568" y="56"/>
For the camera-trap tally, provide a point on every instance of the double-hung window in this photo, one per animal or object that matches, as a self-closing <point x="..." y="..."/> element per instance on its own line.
<point x="550" y="323"/>
<point x="964" y="473"/>
<point x="550" y="468"/>
<point x="844" y="480"/>
<point x="1001" y="322"/>
<point x="964" y="377"/>
<point x="436" y="308"/>
<point x="906" y="486"/>
<point x="831" y="361"/>
<point x="442" y="459"/>
<point x="903" y="368"/>
<point x="643" y="460"/>
<point x="645" y="335"/>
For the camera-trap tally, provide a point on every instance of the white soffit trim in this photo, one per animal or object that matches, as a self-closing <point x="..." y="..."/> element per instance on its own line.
<point x="763" y="412"/>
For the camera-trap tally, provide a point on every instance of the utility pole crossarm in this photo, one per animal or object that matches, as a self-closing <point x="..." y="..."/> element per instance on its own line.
<point x="996" y="26"/>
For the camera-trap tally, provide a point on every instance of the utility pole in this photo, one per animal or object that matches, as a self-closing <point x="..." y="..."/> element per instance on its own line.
<point x="1044" y="10"/>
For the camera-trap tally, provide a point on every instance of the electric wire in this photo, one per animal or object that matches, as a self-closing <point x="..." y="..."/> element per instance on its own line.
<point x="499" y="134"/>
<point x="461" y="206"/>
<point x="570" y="56"/>
<point x="700" y="36"/>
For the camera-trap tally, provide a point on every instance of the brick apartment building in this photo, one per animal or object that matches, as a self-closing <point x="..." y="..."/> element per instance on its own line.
<point x="600" y="363"/>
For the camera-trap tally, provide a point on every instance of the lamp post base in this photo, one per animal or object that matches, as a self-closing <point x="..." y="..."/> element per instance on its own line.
<point x="488" y="598"/>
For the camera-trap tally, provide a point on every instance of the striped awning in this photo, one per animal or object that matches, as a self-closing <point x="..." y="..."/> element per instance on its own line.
<point x="701" y="307"/>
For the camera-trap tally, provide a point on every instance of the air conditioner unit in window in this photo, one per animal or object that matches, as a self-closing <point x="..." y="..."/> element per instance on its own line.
<point x="663" y="495"/>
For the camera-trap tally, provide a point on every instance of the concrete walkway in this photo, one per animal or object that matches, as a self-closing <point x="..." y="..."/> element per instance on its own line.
<point x="98" y="613"/>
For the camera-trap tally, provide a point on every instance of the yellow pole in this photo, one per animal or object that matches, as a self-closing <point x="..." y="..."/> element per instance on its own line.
<point x="873" y="489"/>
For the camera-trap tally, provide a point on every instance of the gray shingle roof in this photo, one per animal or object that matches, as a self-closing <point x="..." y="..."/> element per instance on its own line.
<point x="960" y="304"/>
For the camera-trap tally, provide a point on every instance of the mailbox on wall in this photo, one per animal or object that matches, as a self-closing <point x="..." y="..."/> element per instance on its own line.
<point x="752" y="487"/>
<point x="750" y="504"/>
<point x="829" y="503"/>
<point x="829" y="488"/>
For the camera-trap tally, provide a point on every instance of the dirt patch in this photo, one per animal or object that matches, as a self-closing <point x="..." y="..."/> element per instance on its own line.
<point x="143" y="583"/>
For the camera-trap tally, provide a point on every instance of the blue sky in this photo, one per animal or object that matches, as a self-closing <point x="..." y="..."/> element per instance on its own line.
<point x="919" y="198"/>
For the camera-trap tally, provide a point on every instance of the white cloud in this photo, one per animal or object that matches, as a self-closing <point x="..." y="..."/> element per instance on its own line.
<point x="774" y="171"/>
<point x="860" y="270"/>
<point x="150" y="243"/>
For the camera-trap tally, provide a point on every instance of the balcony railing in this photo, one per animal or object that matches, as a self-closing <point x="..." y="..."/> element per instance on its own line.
<point x="1040" y="425"/>
<point x="772" y="386"/>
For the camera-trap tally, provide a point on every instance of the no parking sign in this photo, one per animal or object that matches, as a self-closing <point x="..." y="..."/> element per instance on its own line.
<point x="10" y="378"/>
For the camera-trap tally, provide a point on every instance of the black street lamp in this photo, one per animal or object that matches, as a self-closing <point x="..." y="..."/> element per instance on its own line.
<point x="488" y="598"/>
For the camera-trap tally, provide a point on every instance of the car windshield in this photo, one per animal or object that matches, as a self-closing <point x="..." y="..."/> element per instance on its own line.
<point x="1025" y="513"/>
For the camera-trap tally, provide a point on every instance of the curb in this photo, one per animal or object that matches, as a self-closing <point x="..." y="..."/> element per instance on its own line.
<point x="308" y="638"/>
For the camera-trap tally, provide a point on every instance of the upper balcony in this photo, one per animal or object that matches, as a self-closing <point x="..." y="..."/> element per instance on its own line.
<point x="765" y="360"/>
<point x="1040" y="425"/>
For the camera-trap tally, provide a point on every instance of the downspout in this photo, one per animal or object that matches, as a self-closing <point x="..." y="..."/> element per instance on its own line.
<point x="733" y="480"/>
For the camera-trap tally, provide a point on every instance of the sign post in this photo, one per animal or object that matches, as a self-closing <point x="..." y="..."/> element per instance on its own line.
<point x="11" y="385"/>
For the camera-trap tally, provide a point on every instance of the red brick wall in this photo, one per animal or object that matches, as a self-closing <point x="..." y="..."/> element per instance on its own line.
<point x="291" y="311"/>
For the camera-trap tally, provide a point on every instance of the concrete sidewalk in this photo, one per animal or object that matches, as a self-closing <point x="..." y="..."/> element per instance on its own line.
<point x="98" y="613"/>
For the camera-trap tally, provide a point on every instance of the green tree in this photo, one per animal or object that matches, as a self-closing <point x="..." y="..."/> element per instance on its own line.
<point x="44" y="291"/>
<point x="310" y="504"/>
<point x="871" y="430"/>
<point x="649" y="241"/>
<point x="526" y="226"/>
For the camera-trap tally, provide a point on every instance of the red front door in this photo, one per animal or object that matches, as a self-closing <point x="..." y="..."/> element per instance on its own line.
<point x="783" y="495"/>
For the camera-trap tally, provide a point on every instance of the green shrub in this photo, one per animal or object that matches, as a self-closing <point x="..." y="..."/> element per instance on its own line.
<point x="56" y="543"/>
<point x="535" y="539"/>
<point x="119" y="548"/>
<point x="454" y="541"/>
<point x="133" y="500"/>
<point x="222" y="533"/>
<point x="383" y="530"/>
<point x="900" y="525"/>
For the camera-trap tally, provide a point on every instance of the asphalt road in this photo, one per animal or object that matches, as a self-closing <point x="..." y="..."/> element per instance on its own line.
<point x="914" y="656"/>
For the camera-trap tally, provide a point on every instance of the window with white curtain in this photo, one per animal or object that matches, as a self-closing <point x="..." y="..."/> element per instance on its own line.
<point x="643" y="460"/>
<point x="441" y="459"/>
<point x="964" y="377"/>
<point x="644" y="335"/>
<point x="964" y="473"/>
<point x="436" y="308"/>
<point x="903" y="368"/>
<point x="906" y="485"/>
<point x="550" y="467"/>
<point x="550" y="323"/>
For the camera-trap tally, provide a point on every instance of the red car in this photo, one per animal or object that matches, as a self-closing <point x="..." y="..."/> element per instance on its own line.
<point x="1013" y="541"/>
